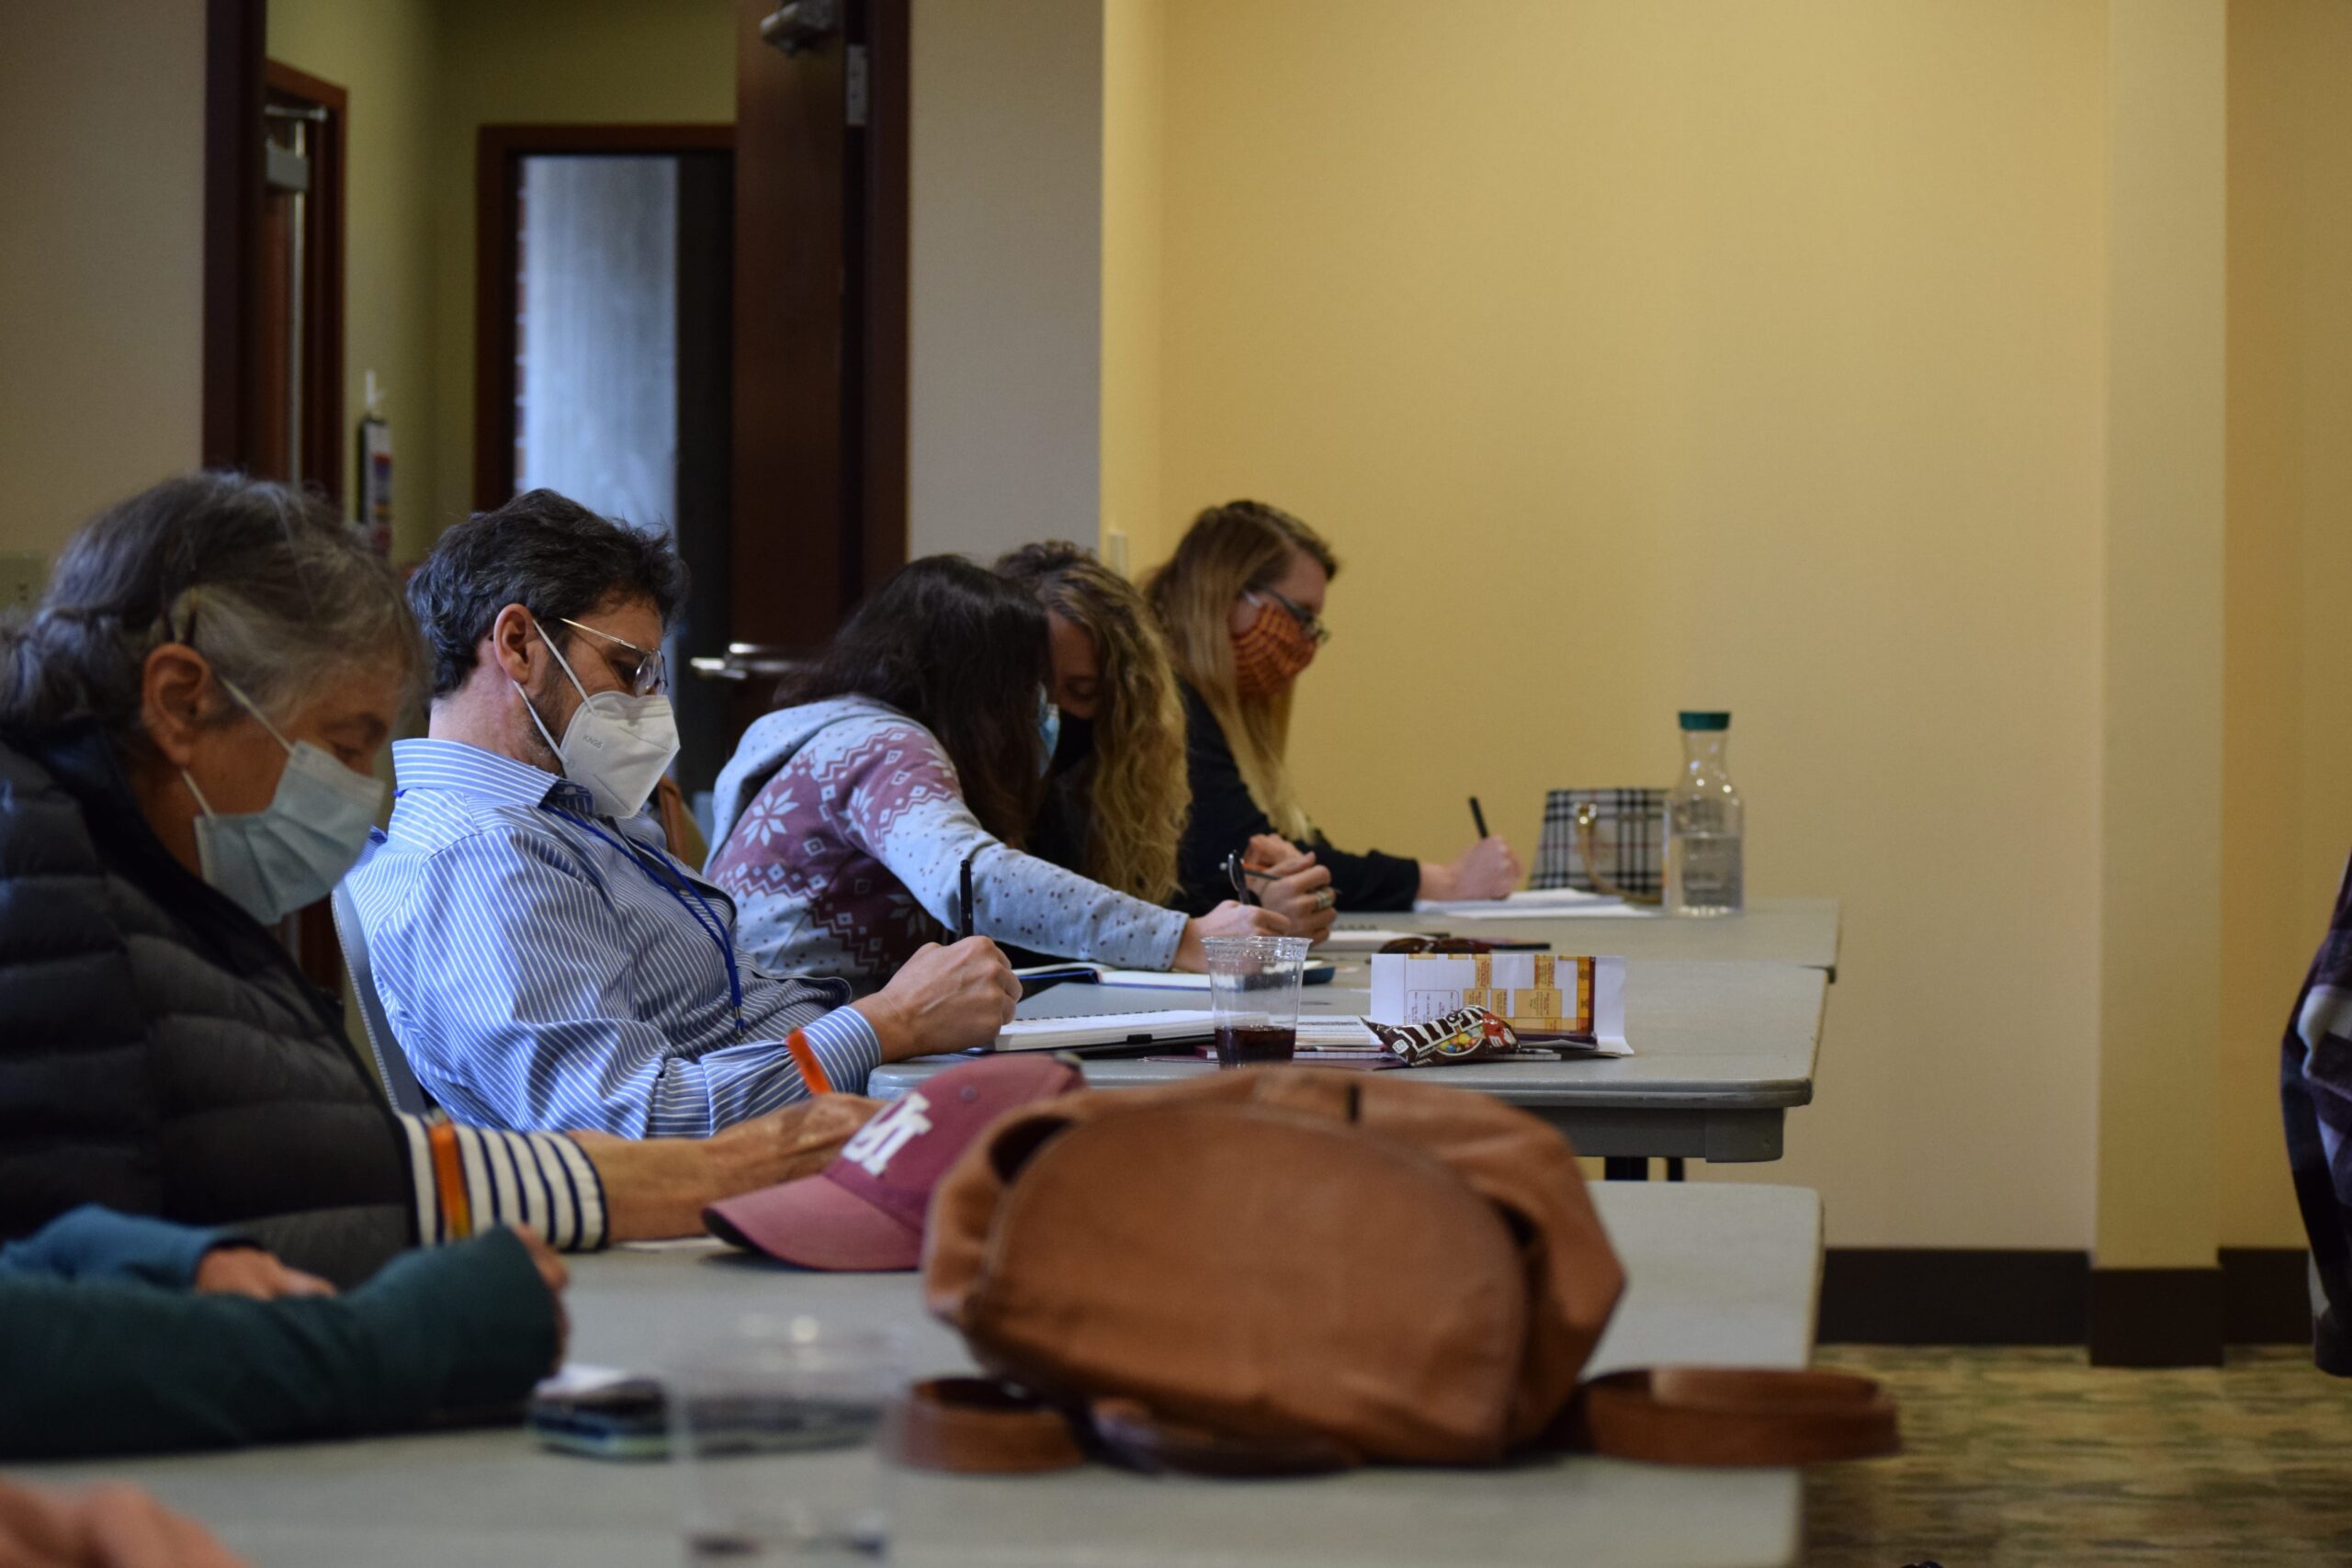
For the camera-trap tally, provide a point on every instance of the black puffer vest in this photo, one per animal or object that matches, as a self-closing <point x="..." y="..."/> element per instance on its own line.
<point x="159" y="1052"/>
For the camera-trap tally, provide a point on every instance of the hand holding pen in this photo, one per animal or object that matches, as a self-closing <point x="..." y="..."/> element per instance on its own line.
<point x="1287" y="880"/>
<point x="1488" y="869"/>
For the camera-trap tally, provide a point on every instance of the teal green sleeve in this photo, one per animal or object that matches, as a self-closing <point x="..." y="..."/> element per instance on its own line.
<point x="104" y="1369"/>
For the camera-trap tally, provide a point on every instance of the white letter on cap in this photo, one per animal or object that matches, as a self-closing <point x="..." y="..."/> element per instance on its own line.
<point x="878" y="1142"/>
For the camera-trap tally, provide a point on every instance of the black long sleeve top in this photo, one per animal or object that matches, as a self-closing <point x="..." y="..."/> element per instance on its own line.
<point x="1225" y="818"/>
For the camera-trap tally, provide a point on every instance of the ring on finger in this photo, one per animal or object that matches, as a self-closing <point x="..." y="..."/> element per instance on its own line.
<point x="1322" y="899"/>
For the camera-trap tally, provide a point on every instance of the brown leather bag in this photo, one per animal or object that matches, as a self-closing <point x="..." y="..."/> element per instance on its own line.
<point x="1290" y="1270"/>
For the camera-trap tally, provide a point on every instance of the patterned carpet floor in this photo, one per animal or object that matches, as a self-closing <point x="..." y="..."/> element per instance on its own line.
<point x="2018" y="1458"/>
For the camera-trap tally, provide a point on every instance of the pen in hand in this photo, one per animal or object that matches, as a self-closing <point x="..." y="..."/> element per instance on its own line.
<point x="1478" y="818"/>
<point x="965" y="919"/>
<point x="1240" y="875"/>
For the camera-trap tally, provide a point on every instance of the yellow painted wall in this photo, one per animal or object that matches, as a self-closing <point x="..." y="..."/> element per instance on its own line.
<point x="2287" y="810"/>
<point x="1647" y="356"/>
<point x="540" y="61"/>
<point x="101" y="256"/>
<point x="2161" y="710"/>
<point x="1135" y="36"/>
<point x="382" y="54"/>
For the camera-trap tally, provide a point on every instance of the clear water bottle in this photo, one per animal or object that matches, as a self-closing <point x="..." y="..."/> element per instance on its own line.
<point x="1702" y="825"/>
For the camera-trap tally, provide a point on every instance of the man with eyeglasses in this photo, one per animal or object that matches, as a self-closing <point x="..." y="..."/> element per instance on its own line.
<point x="544" y="962"/>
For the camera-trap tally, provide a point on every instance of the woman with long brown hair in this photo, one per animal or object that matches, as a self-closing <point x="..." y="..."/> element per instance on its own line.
<point x="1242" y="602"/>
<point x="919" y="745"/>
<point x="1117" y="798"/>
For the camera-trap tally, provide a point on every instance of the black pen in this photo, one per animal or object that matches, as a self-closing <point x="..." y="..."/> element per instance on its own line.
<point x="1239" y="875"/>
<point x="964" y="908"/>
<point x="1479" y="818"/>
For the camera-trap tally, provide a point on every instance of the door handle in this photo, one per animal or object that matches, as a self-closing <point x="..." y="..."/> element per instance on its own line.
<point x="800" y="25"/>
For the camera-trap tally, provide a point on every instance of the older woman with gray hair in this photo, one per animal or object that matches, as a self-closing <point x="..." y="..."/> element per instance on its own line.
<point x="188" y="727"/>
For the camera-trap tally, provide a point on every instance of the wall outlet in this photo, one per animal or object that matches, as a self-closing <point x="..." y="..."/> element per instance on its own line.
<point x="23" y="575"/>
<point x="1115" y="549"/>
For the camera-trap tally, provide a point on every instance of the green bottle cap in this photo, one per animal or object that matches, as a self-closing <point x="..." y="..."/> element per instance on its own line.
<point x="1695" y="720"/>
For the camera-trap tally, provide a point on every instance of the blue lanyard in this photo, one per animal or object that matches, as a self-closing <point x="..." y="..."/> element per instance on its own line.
<point x="698" y="909"/>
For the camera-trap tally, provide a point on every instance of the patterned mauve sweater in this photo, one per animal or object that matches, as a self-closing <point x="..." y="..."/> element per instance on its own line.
<point x="839" y="830"/>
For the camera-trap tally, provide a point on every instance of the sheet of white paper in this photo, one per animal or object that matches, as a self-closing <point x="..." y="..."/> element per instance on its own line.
<point x="1608" y="1005"/>
<point x="1358" y="938"/>
<point x="1154" y="979"/>
<point x="1529" y="899"/>
<point x="1612" y="908"/>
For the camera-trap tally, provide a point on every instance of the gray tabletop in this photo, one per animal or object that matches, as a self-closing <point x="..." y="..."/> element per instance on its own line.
<point x="1722" y="1050"/>
<point x="1775" y="930"/>
<point x="1722" y="1274"/>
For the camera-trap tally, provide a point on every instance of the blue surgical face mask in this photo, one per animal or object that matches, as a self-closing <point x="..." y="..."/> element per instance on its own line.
<point x="1049" y="730"/>
<point x="290" y="855"/>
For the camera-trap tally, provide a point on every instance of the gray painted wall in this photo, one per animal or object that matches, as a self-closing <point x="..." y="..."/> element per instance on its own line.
<point x="1005" y="314"/>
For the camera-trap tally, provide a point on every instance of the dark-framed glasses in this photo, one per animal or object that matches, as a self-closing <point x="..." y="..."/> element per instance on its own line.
<point x="1308" y="621"/>
<point x="647" y="676"/>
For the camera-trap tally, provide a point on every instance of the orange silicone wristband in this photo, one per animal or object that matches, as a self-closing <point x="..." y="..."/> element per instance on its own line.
<point x="812" y="1071"/>
<point x="449" y="1179"/>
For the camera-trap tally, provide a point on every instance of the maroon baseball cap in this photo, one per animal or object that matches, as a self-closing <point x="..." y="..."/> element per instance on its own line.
<point x="864" y="1212"/>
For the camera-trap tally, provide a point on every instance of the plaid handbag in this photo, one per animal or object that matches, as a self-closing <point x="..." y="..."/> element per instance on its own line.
<point x="1624" y="831"/>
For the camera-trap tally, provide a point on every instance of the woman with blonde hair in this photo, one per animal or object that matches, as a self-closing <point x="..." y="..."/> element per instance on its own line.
<point x="1117" y="796"/>
<point x="1242" y="602"/>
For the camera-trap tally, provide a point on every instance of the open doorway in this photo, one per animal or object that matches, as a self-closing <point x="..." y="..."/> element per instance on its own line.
<point x="605" y="359"/>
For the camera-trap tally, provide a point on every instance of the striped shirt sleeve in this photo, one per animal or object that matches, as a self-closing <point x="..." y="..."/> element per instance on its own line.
<point x="542" y="1181"/>
<point x="692" y="1098"/>
<point x="534" y="1016"/>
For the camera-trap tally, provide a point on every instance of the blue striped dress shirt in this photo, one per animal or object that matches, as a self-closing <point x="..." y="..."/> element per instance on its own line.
<point x="540" y="973"/>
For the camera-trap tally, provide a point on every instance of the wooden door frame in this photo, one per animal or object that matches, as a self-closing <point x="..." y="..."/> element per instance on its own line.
<point x="324" y="467"/>
<point x="238" y="81"/>
<point x="820" y="367"/>
<point x="884" y="247"/>
<point x="235" y="88"/>
<point x="499" y="152"/>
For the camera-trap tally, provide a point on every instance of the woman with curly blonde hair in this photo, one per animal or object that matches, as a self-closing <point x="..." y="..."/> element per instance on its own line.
<point x="1119" y="796"/>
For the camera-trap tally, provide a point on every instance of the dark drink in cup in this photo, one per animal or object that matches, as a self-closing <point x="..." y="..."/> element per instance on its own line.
<point x="1253" y="995"/>
<point x="1238" y="1046"/>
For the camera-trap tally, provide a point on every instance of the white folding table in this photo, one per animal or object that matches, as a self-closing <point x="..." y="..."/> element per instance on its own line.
<point x="1716" y="1273"/>
<point x="1722" y="1052"/>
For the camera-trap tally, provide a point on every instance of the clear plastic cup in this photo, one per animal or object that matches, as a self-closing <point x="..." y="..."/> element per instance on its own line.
<point x="1253" y="995"/>
<point x="775" y="1438"/>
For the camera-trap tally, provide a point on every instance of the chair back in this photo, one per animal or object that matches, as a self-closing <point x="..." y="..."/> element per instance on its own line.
<point x="391" y="1062"/>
